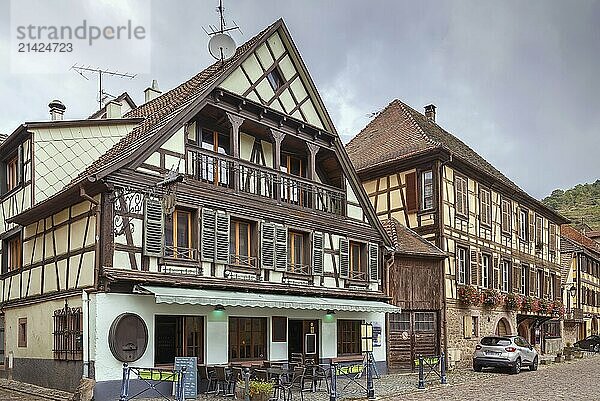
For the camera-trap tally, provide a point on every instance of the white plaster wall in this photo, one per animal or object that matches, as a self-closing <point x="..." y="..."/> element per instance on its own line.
<point x="109" y="306"/>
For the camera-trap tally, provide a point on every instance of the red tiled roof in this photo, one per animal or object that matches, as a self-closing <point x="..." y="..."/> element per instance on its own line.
<point x="577" y="236"/>
<point x="408" y="242"/>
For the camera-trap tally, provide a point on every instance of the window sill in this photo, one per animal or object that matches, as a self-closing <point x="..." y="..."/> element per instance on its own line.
<point x="461" y="216"/>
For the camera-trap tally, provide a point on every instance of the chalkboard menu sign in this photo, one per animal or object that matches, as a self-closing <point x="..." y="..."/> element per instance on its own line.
<point x="190" y="384"/>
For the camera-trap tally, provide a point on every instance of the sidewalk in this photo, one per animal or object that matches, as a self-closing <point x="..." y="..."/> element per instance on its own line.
<point x="31" y="392"/>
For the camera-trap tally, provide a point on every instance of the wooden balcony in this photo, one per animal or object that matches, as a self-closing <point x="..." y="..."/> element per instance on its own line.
<point x="242" y="176"/>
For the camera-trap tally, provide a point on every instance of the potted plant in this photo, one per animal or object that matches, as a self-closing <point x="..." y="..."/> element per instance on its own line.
<point x="260" y="390"/>
<point x="491" y="298"/>
<point x="513" y="301"/>
<point x="469" y="295"/>
<point x="527" y="304"/>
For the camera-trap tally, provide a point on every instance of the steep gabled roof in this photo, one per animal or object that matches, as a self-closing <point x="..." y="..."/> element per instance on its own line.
<point x="399" y="132"/>
<point x="123" y="97"/>
<point x="407" y="242"/>
<point x="579" y="238"/>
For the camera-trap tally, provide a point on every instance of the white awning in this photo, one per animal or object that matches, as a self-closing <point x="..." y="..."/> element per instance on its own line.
<point x="171" y="295"/>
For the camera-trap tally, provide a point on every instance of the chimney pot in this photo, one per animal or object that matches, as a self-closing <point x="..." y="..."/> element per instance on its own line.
<point x="57" y="109"/>
<point x="430" y="112"/>
<point x="152" y="92"/>
<point x="113" y="109"/>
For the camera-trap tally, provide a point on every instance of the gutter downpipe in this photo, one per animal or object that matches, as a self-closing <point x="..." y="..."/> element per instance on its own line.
<point x="443" y="248"/>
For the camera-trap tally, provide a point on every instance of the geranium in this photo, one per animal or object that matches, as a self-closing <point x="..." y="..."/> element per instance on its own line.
<point x="491" y="298"/>
<point x="469" y="295"/>
<point x="527" y="304"/>
<point x="558" y="308"/>
<point x="543" y="305"/>
<point x="535" y="305"/>
<point x="513" y="301"/>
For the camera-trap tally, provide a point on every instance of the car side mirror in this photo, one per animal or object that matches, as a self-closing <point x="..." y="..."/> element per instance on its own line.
<point x="531" y="347"/>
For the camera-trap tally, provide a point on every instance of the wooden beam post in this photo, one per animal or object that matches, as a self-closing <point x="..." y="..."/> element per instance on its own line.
<point x="236" y="121"/>
<point x="278" y="136"/>
<point x="313" y="149"/>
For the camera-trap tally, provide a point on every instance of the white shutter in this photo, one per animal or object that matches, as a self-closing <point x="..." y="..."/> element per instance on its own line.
<point x="267" y="246"/>
<point x="281" y="252"/>
<point x="208" y="241"/>
<point x="317" y="254"/>
<point x="344" y="257"/>
<point x="373" y="262"/>
<point x="222" y="238"/>
<point x="153" y="228"/>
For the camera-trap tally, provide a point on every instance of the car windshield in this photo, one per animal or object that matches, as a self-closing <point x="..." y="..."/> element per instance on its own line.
<point x="495" y="341"/>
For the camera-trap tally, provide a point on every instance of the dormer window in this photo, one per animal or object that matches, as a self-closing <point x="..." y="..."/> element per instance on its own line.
<point x="275" y="79"/>
<point x="12" y="173"/>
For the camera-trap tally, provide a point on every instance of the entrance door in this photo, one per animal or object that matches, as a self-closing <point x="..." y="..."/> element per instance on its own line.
<point x="411" y="333"/>
<point x="303" y="339"/>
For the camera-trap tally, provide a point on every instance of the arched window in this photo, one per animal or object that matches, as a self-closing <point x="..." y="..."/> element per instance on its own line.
<point x="503" y="327"/>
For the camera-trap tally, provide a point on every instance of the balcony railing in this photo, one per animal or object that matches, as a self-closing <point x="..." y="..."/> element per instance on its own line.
<point x="226" y="171"/>
<point x="177" y="252"/>
<point x="298" y="268"/>
<point x="358" y="275"/>
<point x="247" y="262"/>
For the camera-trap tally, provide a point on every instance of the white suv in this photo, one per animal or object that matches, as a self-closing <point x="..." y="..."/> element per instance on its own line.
<point x="512" y="352"/>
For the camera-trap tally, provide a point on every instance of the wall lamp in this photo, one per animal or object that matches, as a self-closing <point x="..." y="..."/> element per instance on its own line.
<point x="219" y="307"/>
<point x="330" y="312"/>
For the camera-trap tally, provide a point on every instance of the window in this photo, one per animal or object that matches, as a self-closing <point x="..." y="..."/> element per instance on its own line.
<point x="210" y="168"/>
<point x="178" y="336"/>
<point x="275" y="79"/>
<point x="461" y="265"/>
<point x="293" y="165"/>
<point x="247" y="338"/>
<point x="552" y="237"/>
<point x="68" y="334"/>
<point x="358" y="262"/>
<point x="506" y="213"/>
<point x="523" y="224"/>
<point x="400" y="321"/>
<point x="485" y="206"/>
<point x="485" y="271"/>
<point x="348" y="337"/>
<point x="22" y="332"/>
<point x="425" y="321"/>
<point x="2" y="343"/>
<point x="505" y="270"/>
<point x="539" y="226"/>
<point x="13" y="257"/>
<point x="241" y="246"/>
<point x="539" y="283"/>
<point x="524" y="273"/>
<point x="474" y="326"/>
<point x="461" y="195"/>
<point x="12" y="173"/>
<point x="551" y="329"/>
<point x="297" y="260"/>
<point x="279" y="328"/>
<point x="426" y="190"/>
<point x="178" y="236"/>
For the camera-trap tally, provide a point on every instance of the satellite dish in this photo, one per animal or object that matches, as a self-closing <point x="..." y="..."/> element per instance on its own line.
<point x="221" y="46"/>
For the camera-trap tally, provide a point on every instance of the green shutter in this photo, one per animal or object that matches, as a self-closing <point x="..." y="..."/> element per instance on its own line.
<point x="373" y="262"/>
<point x="208" y="241"/>
<point x="153" y="228"/>
<point x="317" y="254"/>
<point x="222" y="238"/>
<point x="344" y="257"/>
<point x="267" y="246"/>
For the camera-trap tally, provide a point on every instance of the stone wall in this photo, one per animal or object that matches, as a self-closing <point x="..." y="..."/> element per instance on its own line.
<point x="569" y="333"/>
<point x="460" y="344"/>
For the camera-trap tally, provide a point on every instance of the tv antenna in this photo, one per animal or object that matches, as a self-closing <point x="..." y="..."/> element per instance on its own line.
<point x="221" y="45"/>
<point x="102" y="95"/>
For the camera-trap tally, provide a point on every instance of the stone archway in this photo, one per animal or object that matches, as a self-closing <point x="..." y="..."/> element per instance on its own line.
<point x="503" y="327"/>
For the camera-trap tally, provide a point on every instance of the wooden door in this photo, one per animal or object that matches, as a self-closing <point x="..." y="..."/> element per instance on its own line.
<point x="410" y="334"/>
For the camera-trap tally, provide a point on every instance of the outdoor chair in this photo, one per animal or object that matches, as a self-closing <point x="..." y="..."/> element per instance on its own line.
<point x="221" y="380"/>
<point x="231" y="381"/>
<point x="296" y="381"/>
<point x="206" y="377"/>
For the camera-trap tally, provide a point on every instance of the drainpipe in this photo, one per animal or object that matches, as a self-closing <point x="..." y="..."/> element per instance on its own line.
<point x="86" y="307"/>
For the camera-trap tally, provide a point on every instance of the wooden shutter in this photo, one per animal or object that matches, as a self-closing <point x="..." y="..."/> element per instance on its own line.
<point x="557" y="292"/>
<point x="467" y="326"/>
<point x="267" y="246"/>
<point x="496" y="275"/>
<point x="475" y="271"/>
<point x="153" y="228"/>
<point x="552" y="239"/>
<point x="373" y="260"/>
<point x="516" y="278"/>
<point x="20" y="179"/>
<point x="281" y="251"/>
<point x="532" y="281"/>
<point x="222" y="238"/>
<point x="458" y="200"/>
<point x="531" y="227"/>
<point x="344" y="257"/>
<point x="411" y="192"/>
<point x="208" y="240"/>
<point x="317" y="253"/>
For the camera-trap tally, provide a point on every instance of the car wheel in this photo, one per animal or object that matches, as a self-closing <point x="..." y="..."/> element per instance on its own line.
<point x="516" y="367"/>
<point x="477" y="367"/>
<point x="534" y="364"/>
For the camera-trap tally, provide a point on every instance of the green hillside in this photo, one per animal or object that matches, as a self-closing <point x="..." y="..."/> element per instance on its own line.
<point x="577" y="203"/>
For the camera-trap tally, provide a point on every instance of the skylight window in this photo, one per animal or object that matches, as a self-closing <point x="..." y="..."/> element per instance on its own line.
<point x="275" y="79"/>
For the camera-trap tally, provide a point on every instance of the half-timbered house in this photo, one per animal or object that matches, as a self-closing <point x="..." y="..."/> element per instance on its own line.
<point x="581" y="275"/>
<point x="503" y="271"/>
<point x="222" y="220"/>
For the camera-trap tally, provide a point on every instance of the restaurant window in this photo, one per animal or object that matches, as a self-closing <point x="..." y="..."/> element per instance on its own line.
<point x="275" y="79"/>
<point x="485" y="271"/>
<point x="358" y="263"/>
<point x="22" y="332"/>
<point x="506" y="216"/>
<point x="247" y="338"/>
<point x="68" y="334"/>
<point x="2" y="340"/>
<point x="461" y="265"/>
<point x="461" y="195"/>
<point x="297" y="260"/>
<point x="178" y="235"/>
<point x="178" y="336"/>
<point x="12" y="173"/>
<point x="348" y="337"/>
<point x="485" y="206"/>
<point x="400" y="321"/>
<point x="425" y="321"/>
<point x="523" y="224"/>
<point x="12" y="258"/>
<point x="426" y="190"/>
<point x="241" y="244"/>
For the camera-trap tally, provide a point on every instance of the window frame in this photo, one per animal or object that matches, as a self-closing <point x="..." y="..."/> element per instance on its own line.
<point x="276" y="335"/>
<point x="253" y="340"/>
<point x="488" y="207"/>
<point x="474" y="326"/>
<point x="292" y="265"/>
<point x="349" y="328"/>
<point x="7" y="265"/>
<point x="173" y="223"/>
<point x="524" y="276"/>
<point x="505" y="275"/>
<point x="68" y="334"/>
<point x="275" y="75"/>
<point x="361" y="273"/>
<point x="464" y="212"/>
<point x="461" y="276"/>
<point x="22" y="332"/>
<point x="523" y="224"/>
<point x="236" y="258"/>
<point x="508" y="214"/>
<point x="539" y="231"/>
<point x="180" y="340"/>
<point x="485" y="270"/>
<point x="12" y="183"/>
<point x="422" y="187"/>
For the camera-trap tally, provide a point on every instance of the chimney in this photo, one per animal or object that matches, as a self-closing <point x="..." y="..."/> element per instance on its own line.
<point x="113" y="109"/>
<point x="152" y="92"/>
<point x="57" y="109"/>
<point x="430" y="113"/>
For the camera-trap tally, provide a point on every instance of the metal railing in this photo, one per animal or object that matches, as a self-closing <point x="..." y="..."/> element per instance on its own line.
<point x="178" y="252"/>
<point x="357" y="275"/>
<point x="248" y="262"/>
<point x="298" y="268"/>
<point x="229" y="172"/>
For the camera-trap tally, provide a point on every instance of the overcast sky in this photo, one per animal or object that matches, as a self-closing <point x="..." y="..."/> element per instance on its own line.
<point x="517" y="81"/>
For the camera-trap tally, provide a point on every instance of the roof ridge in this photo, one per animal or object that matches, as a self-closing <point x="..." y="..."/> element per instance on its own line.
<point x="412" y="118"/>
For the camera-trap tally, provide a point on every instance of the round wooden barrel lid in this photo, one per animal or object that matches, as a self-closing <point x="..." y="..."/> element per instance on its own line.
<point x="128" y="337"/>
